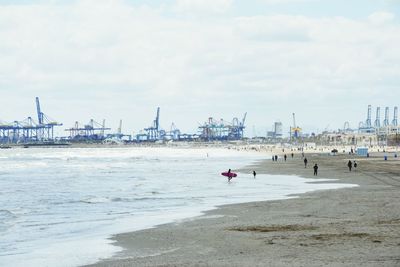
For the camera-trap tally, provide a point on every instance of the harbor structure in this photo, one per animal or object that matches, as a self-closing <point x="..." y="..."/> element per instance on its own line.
<point x="295" y="130"/>
<point x="29" y="130"/>
<point x="394" y="121"/>
<point x="384" y="129"/>
<point x="367" y="134"/>
<point x="386" y="120"/>
<point x="219" y="130"/>
<point x="90" y="132"/>
<point x="377" y="123"/>
<point x="155" y="133"/>
<point x="117" y="138"/>
<point x="366" y="127"/>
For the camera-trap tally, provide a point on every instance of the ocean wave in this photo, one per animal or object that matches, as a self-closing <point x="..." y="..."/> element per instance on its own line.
<point x="95" y="200"/>
<point x="146" y="198"/>
<point x="136" y="158"/>
<point x="6" y="214"/>
<point x="100" y="200"/>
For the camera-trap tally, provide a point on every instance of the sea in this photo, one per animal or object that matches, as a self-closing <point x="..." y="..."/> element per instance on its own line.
<point x="60" y="206"/>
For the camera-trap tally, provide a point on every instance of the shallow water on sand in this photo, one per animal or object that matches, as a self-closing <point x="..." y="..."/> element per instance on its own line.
<point x="59" y="205"/>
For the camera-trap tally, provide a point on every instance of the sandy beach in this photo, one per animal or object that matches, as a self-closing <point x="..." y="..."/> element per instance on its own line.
<point x="345" y="227"/>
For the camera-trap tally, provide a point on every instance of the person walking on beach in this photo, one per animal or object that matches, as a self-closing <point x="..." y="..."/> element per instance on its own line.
<point x="355" y="165"/>
<point x="315" y="169"/>
<point x="285" y="157"/>
<point x="292" y="155"/>
<point x="349" y="164"/>
<point x="273" y="158"/>
<point x="305" y="162"/>
<point x="254" y="174"/>
<point x="276" y="158"/>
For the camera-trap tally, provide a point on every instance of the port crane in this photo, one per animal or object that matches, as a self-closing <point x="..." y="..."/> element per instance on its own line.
<point x="153" y="132"/>
<point x="92" y="131"/>
<point x="45" y="128"/>
<point x="29" y="130"/>
<point x="222" y="130"/>
<point x="295" y="130"/>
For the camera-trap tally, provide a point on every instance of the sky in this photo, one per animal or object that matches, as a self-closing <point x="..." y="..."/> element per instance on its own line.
<point x="324" y="60"/>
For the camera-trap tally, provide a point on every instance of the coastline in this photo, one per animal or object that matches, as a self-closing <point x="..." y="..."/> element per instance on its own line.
<point x="344" y="227"/>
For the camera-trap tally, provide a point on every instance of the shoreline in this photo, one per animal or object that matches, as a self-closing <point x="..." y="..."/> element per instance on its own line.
<point x="335" y="227"/>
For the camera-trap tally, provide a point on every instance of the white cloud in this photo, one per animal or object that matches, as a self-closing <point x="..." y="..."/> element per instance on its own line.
<point x="276" y="2"/>
<point x="291" y="28"/>
<point x="200" y="6"/>
<point x="114" y="60"/>
<point x="379" y="18"/>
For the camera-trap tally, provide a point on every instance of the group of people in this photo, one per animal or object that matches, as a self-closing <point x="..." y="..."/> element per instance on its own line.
<point x="350" y="165"/>
<point x="315" y="167"/>
<point x="275" y="157"/>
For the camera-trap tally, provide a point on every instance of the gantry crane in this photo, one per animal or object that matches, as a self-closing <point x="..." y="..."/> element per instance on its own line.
<point x="295" y="130"/>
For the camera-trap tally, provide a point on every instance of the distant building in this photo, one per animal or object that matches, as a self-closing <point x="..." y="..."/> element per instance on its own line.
<point x="360" y="139"/>
<point x="270" y="134"/>
<point x="278" y="129"/>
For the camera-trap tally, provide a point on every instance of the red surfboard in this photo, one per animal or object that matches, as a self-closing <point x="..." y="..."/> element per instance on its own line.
<point x="229" y="174"/>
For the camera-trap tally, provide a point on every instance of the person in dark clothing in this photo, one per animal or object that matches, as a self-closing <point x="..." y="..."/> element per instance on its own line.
<point x="285" y="157"/>
<point x="276" y="158"/>
<point x="349" y="164"/>
<point x="229" y="175"/>
<point x="273" y="158"/>
<point x="355" y="165"/>
<point x="315" y="169"/>
<point x="254" y="174"/>
<point x="305" y="162"/>
<point x="292" y="155"/>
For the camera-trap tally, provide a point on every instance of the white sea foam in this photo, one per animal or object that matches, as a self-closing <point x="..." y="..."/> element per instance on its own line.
<point x="59" y="206"/>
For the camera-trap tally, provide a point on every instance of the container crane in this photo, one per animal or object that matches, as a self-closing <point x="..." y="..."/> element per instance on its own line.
<point x="45" y="127"/>
<point x="153" y="132"/>
<point x="386" y="120"/>
<point x="296" y="130"/>
<point x="92" y="131"/>
<point x="394" y="121"/>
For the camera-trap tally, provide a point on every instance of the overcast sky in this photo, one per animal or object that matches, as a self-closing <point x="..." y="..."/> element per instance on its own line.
<point x="325" y="60"/>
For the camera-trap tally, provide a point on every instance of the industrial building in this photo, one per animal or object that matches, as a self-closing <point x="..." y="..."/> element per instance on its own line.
<point x="277" y="131"/>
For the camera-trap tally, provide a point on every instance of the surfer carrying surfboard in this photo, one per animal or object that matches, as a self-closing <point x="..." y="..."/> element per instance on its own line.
<point x="229" y="174"/>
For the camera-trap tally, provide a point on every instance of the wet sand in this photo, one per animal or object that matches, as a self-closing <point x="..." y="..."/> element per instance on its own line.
<point x="344" y="227"/>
